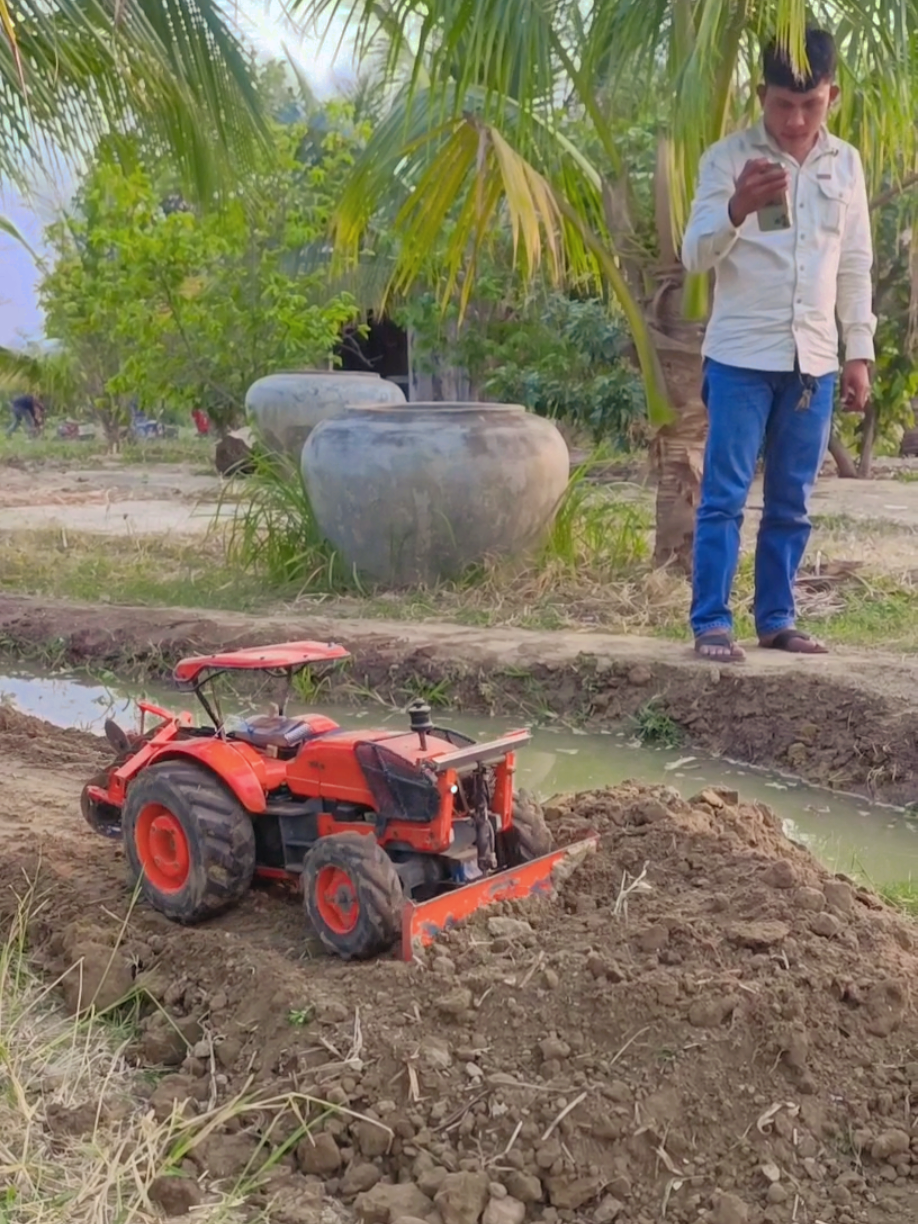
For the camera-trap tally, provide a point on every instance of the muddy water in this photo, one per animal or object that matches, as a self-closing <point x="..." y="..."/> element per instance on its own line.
<point x="875" y="842"/>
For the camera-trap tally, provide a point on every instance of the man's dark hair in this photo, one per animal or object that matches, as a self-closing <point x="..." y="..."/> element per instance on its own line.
<point x="821" y="54"/>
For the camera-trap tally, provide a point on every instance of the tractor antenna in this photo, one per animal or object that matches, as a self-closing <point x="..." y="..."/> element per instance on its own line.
<point x="419" y="714"/>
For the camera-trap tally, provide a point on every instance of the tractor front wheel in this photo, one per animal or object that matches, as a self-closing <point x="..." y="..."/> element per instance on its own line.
<point x="353" y="896"/>
<point x="529" y="837"/>
<point x="188" y="840"/>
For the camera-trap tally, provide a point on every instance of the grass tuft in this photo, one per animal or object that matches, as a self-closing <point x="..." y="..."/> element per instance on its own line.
<point x="655" y="729"/>
<point x="79" y="1143"/>
<point x="273" y="532"/>
<point x="902" y="895"/>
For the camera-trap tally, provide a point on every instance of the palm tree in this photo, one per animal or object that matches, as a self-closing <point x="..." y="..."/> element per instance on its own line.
<point x="479" y="134"/>
<point x="74" y="71"/>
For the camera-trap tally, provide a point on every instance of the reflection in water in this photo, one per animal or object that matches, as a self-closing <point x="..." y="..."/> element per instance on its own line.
<point x="847" y="834"/>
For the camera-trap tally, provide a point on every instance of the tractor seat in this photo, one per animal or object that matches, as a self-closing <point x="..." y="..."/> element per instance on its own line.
<point x="272" y="731"/>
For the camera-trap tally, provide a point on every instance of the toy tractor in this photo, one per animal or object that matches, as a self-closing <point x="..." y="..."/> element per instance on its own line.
<point x="391" y="835"/>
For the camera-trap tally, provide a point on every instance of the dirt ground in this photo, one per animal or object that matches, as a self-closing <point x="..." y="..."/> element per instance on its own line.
<point x="111" y="499"/>
<point x="115" y="498"/>
<point x="703" y="1026"/>
<point x="848" y="719"/>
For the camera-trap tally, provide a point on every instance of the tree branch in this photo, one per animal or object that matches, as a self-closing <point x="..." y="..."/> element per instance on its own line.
<point x="887" y="197"/>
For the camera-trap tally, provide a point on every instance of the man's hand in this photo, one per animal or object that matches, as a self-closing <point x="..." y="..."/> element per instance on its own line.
<point x="855" y="386"/>
<point x="760" y="182"/>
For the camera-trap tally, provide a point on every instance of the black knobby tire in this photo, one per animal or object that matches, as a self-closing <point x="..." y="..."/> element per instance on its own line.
<point x="529" y="837"/>
<point x="101" y="817"/>
<point x="218" y="831"/>
<point x="376" y="890"/>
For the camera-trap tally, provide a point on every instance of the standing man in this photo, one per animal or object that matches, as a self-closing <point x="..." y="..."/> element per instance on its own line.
<point x="781" y="216"/>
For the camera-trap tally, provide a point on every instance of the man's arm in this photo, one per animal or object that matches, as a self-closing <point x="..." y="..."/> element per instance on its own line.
<point x="710" y="233"/>
<point x="854" y="303"/>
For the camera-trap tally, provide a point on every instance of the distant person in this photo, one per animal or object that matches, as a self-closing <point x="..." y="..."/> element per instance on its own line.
<point x="201" y="422"/>
<point x="27" y="411"/>
<point x="781" y="216"/>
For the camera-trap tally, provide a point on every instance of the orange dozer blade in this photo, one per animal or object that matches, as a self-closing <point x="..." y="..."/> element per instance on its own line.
<point x="421" y="924"/>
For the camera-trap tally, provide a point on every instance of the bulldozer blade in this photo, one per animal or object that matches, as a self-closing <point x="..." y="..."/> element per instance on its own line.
<point x="423" y="922"/>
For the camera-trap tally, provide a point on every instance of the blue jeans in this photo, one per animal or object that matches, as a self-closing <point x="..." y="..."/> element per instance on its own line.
<point x="747" y="408"/>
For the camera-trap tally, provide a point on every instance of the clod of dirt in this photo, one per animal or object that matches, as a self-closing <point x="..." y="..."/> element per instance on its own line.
<point x="227" y="1157"/>
<point x="523" y="1186"/>
<point x="359" y="1178"/>
<point x="174" y="1094"/>
<point x="98" y="978"/>
<point x="385" y="1204"/>
<point x="608" y="1211"/>
<point x="167" y="1040"/>
<point x="63" y="1120"/>
<point x="462" y="1197"/>
<point x="319" y="1155"/>
<point x="504" y="1210"/>
<point x="175" y="1195"/>
<point x="729" y="1209"/>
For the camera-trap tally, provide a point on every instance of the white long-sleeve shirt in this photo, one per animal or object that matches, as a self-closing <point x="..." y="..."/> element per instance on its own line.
<point x="776" y="295"/>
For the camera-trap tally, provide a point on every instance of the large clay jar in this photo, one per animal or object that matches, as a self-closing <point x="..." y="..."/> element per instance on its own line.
<point x="285" y="407"/>
<point x="415" y="493"/>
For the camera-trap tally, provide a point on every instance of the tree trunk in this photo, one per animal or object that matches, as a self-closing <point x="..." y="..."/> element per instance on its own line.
<point x="843" y="461"/>
<point x="677" y="450"/>
<point x="868" y="436"/>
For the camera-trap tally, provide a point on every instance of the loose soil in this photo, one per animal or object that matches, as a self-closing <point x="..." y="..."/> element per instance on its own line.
<point x="848" y="719"/>
<point x="111" y="499"/>
<point x="704" y="1025"/>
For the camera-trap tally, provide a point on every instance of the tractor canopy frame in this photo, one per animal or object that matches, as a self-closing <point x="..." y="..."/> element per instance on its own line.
<point x="198" y="673"/>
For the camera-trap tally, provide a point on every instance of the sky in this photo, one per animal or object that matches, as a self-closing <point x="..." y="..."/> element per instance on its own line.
<point x="264" y="27"/>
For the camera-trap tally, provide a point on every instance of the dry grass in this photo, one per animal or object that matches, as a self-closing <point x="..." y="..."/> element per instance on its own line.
<point x="79" y="1143"/>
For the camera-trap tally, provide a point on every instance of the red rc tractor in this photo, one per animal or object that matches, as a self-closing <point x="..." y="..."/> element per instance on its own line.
<point x="391" y="835"/>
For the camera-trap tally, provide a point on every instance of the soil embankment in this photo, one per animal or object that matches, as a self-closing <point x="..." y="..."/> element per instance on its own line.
<point x="730" y="1039"/>
<point x="847" y="720"/>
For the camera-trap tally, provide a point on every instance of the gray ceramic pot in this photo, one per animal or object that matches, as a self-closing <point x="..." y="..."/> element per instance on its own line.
<point x="285" y="407"/>
<point x="418" y="492"/>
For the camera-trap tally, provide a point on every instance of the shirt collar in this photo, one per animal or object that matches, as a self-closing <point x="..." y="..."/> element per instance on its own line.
<point x="762" y="140"/>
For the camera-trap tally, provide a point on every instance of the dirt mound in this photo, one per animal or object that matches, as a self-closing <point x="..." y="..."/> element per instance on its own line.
<point x="703" y="1026"/>
<point x="36" y="742"/>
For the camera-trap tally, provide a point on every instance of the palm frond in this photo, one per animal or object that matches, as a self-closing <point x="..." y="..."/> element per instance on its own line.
<point x="78" y="70"/>
<point x="12" y="231"/>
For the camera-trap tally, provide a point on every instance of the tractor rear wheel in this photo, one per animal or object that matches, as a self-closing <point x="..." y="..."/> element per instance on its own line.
<point x="353" y="895"/>
<point x="529" y="837"/>
<point x="188" y="840"/>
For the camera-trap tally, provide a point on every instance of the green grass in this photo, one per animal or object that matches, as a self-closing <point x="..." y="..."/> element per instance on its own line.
<point x="273" y="534"/>
<point x="655" y="729"/>
<point x="902" y="895"/>
<point x="56" y="451"/>
<point x="874" y="612"/>
<point x="140" y="570"/>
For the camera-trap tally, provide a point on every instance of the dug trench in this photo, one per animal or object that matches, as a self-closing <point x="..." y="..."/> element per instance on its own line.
<point x="847" y="720"/>
<point x="702" y="1024"/>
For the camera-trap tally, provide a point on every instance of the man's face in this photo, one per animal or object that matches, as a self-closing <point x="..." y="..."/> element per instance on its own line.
<point x="793" y="119"/>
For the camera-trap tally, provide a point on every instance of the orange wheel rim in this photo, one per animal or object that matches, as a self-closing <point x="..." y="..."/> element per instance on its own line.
<point x="162" y="848"/>
<point x="336" y="900"/>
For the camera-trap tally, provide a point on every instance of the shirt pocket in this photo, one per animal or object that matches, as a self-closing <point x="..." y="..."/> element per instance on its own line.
<point x="832" y="201"/>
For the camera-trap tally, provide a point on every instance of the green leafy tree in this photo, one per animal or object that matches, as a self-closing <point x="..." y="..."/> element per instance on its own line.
<point x="161" y="303"/>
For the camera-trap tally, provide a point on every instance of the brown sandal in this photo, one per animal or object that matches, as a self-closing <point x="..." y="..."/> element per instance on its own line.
<point x="785" y="639"/>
